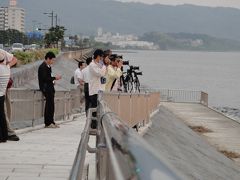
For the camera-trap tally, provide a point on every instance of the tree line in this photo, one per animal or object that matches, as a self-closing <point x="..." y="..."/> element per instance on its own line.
<point x="50" y="39"/>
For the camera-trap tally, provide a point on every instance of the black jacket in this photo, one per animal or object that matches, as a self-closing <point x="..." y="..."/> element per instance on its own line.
<point x="45" y="78"/>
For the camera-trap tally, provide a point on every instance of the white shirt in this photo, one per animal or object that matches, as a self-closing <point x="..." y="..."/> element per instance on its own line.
<point x="4" y="72"/>
<point x="85" y="73"/>
<point x="77" y="76"/>
<point x="96" y="71"/>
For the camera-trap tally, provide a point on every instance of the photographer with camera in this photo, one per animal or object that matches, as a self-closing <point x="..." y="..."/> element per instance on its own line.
<point x="97" y="70"/>
<point x="114" y="73"/>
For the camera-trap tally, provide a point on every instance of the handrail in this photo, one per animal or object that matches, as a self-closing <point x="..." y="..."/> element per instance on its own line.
<point x="33" y="108"/>
<point x="128" y="155"/>
<point x="78" y="165"/>
<point x="180" y="95"/>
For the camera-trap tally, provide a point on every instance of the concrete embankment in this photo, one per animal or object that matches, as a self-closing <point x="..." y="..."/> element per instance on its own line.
<point x="65" y="65"/>
<point x="186" y="150"/>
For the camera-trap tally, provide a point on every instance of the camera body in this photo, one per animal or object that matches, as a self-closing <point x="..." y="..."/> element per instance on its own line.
<point x="134" y="68"/>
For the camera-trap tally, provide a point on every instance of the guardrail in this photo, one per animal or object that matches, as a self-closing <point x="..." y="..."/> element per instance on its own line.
<point x="27" y="106"/>
<point x="120" y="152"/>
<point x="178" y="95"/>
<point x="133" y="108"/>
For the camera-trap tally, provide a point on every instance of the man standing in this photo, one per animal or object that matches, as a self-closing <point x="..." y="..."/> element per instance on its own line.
<point x="85" y="73"/>
<point x="114" y="73"/>
<point x="78" y="76"/>
<point x="46" y="85"/>
<point x="6" y="61"/>
<point x="96" y="70"/>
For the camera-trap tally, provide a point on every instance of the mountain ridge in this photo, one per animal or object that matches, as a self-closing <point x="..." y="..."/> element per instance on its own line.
<point x="85" y="16"/>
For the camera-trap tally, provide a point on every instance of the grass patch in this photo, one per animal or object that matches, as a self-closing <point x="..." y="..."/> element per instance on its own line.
<point x="32" y="56"/>
<point x="200" y="129"/>
<point x="230" y="154"/>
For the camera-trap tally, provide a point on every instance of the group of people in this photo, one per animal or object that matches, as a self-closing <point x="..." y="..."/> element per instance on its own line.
<point x="101" y="72"/>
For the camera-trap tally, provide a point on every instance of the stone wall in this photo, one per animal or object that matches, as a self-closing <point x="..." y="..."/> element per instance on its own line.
<point x="26" y="73"/>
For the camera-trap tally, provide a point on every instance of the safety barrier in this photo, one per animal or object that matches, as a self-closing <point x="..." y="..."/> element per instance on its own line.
<point x="133" y="108"/>
<point x="120" y="152"/>
<point x="182" y="96"/>
<point x="28" y="105"/>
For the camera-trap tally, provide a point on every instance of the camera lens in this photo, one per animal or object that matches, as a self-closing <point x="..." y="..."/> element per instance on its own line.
<point x="125" y="62"/>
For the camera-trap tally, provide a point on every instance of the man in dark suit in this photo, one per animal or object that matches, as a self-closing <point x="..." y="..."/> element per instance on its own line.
<point x="46" y="85"/>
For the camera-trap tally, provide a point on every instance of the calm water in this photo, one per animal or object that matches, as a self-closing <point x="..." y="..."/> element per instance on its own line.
<point x="216" y="73"/>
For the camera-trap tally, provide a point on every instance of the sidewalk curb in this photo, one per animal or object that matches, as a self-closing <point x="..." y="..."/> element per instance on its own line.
<point x="42" y="126"/>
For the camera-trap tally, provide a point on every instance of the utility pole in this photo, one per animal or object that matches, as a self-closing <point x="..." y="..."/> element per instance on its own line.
<point x="51" y="16"/>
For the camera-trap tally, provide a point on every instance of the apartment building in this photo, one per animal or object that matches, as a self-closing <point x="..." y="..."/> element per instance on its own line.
<point x="12" y="17"/>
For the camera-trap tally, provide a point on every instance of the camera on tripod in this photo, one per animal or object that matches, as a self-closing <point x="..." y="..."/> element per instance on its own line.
<point x="134" y="68"/>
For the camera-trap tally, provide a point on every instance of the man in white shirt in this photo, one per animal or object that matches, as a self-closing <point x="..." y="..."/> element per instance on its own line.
<point x="96" y="70"/>
<point x="85" y="79"/>
<point x="78" y="74"/>
<point x="7" y="60"/>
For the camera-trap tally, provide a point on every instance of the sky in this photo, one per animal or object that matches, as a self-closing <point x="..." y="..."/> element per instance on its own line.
<point x="213" y="3"/>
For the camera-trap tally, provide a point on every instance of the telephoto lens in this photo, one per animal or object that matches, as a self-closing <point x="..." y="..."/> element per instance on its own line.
<point x="125" y="62"/>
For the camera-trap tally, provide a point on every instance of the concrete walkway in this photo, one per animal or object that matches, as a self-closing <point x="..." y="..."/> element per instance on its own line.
<point x="225" y="133"/>
<point x="42" y="154"/>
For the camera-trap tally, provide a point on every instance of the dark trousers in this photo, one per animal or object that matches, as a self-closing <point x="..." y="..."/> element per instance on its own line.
<point x="93" y="104"/>
<point x="87" y="99"/>
<point x="3" y="123"/>
<point x="49" y="108"/>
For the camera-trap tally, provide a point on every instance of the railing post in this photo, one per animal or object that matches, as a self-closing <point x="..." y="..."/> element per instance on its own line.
<point x="34" y="108"/>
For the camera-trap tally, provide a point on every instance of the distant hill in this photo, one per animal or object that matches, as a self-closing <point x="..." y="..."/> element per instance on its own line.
<point x="187" y="41"/>
<point x="85" y="16"/>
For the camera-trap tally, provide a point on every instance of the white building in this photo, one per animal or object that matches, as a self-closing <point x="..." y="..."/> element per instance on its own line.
<point x="3" y="18"/>
<point x="124" y="41"/>
<point x="12" y="17"/>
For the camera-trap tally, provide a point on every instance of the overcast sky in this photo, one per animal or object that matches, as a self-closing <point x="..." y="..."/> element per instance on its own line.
<point x="215" y="3"/>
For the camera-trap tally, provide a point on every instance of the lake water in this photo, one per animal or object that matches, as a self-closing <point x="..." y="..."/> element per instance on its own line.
<point x="216" y="73"/>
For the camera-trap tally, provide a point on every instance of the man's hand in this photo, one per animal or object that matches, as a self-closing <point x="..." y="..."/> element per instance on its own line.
<point x="57" y="77"/>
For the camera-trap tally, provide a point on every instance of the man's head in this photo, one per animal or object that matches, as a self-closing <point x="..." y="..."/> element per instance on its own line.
<point x="114" y="59"/>
<point x="107" y="52"/>
<point x="97" y="55"/>
<point x="81" y="64"/>
<point x="49" y="58"/>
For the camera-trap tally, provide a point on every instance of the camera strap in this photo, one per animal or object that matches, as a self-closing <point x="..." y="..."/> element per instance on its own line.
<point x="113" y="84"/>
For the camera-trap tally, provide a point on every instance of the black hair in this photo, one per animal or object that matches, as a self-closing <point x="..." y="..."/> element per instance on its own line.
<point x="113" y="57"/>
<point x="50" y="55"/>
<point x="88" y="60"/>
<point x="80" y="63"/>
<point x="97" y="53"/>
<point x="107" y="53"/>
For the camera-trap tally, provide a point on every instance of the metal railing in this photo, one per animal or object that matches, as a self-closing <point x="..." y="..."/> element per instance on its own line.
<point x="133" y="108"/>
<point x="182" y="96"/>
<point x="27" y="106"/>
<point x="120" y="152"/>
<point x="78" y="165"/>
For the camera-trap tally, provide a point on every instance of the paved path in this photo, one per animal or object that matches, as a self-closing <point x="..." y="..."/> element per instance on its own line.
<point x="42" y="154"/>
<point x="225" y="133"/>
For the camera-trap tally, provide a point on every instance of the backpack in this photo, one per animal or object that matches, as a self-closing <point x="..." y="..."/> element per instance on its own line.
<point x="72" y="80"/>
